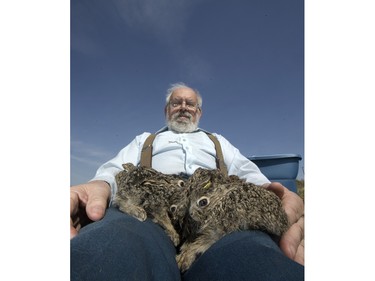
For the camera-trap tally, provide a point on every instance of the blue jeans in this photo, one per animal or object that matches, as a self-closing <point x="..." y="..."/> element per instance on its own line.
<point x="119" y="247"/>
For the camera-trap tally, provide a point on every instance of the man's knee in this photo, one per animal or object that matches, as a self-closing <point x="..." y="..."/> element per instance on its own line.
<point x="241" y="255"/>
<point x="125" y="246"/>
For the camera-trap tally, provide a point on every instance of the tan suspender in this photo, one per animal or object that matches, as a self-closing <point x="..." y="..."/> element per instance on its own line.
<point x="219" y="155"/>
<point x="146" y="153"/>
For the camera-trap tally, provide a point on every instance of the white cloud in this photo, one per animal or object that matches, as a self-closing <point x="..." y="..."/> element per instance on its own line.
<point x="165" y="19"/>
<point x="85" y="160"/>
<point x="85" y="45"/>
<point x="196" y="68"/>
<point x="88" y="153"/>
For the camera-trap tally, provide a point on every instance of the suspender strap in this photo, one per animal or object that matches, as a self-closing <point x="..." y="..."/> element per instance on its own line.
<point x="219" y="155"/>
<point x="146" y="154"/>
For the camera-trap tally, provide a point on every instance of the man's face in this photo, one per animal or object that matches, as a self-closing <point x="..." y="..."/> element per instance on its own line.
<point x="182" y="112"/>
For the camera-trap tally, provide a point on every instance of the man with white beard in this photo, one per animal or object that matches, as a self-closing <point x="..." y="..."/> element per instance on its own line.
<point x="117" y="247"/>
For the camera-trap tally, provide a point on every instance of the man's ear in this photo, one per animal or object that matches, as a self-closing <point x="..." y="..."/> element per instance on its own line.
<point x="200" y="111"/>
<point x="165" y="110"/>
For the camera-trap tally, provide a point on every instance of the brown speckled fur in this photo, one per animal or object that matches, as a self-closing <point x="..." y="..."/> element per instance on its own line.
<point x="220" y="205"/>
<point x="198" y="212"/>
<point x="145" y="192"/>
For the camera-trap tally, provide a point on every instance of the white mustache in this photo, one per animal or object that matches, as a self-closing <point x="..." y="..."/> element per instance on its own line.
<point x="186" y="114"/>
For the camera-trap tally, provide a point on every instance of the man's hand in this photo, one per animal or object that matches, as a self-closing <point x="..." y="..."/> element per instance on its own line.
<point x="292" y="243"/>
<point x="88" y="202"/>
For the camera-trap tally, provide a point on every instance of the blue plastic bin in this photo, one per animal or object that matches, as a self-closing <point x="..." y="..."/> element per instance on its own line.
<point x="282" y="168"/>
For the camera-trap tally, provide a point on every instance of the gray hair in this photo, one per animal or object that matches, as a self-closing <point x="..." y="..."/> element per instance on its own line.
<point x="179" y="85"/>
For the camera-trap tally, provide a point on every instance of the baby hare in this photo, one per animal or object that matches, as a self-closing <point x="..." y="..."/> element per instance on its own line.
<point x="145" y="192"/>
<point x="220" y="205"/>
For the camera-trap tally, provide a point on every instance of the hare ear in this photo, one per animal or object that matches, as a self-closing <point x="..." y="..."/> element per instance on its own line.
<point x="128" y="167"/>
<point x="207" y="185"/>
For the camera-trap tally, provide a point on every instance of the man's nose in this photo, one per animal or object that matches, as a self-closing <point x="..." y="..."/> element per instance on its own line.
<point x="183" y="105"/>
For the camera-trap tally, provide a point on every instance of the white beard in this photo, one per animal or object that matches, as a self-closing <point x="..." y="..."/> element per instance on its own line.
<point x="182" y="127"/>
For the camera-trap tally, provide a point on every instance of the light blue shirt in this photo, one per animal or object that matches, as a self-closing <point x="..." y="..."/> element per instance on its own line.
<point x="175" y="153"/>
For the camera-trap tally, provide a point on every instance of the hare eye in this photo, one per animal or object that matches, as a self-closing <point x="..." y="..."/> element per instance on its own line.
<point x="181" y="183"/>
<point x="173" y="208"/>
<point x="203" y="202"/>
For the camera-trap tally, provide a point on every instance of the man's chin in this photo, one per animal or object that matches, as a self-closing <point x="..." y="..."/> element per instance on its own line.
<point x="182" y="127"/>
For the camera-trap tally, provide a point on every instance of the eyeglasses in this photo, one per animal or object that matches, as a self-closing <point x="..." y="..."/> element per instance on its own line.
<point x="178" y="104"/>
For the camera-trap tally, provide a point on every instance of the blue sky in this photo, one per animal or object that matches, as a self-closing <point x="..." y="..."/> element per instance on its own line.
<point x="117" y="91"/>
<point x="245" y="57"/>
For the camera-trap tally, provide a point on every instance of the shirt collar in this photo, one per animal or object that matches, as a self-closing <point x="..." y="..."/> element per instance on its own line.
<point x="165" y="128"/>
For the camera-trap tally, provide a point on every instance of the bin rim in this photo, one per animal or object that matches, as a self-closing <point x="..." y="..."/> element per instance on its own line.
<point x="274" y="156"/>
